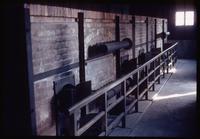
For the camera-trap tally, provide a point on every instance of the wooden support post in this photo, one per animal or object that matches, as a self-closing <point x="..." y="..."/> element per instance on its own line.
<point x="106" y="114"/>
<point x="170" y="61"/>
<point x="58" y="133"/>
<point x="175" y="49"/>
<point x="163" y="30"/>
<point x="146" y="94"/>
<point x="167" y="65"/>
<point x="117" y="53"/>
<point x="30" y="70"/>
<point x="81" y="47"/>
<point x="81" y="54"/>
<point x="137" y="93"/>
<point x="133" y="35"/>
<point x="159" y="60"/>
<point x="147" y="44"/>
<point x="74" y="124"/>
<point x="154" y="75"/>
<point x="124" y="118"/>
<point x="163" y="66"/>
<point x="173" y="57"/>
<point x="155" y="31"/>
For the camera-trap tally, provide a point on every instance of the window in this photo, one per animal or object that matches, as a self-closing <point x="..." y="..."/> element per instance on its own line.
<point x="189" y="18"/>
<point x="179" y="18"/>
<point x="184" y="18"/>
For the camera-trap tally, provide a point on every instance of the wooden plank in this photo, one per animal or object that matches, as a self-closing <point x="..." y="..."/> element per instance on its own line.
<point x="46" y="19"/>
<point x="131" y="105"/>
<point x="150" y="73"/>
<point x="60" y="70"/>
<point x="143" y="80"/>
<point x="102" y="134"/>
<point x="142" y="94"/>
<point x="114" y="104"/>
<point x="90" y="123"/>
<point x="157" y="77"/>
<point x="151" y="83"/>
<point x="158" y="67"/>
<point x="129" y="91"/>
<point x="116" y="121"/>
<point x="74" y="123"/>
<point x="58" y="11"/>
<point x="93" y="20"/>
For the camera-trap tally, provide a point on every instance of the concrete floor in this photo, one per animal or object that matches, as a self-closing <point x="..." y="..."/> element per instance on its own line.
<point x="172" y="113"/>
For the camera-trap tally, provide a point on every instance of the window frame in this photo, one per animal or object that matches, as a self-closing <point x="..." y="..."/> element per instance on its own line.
<point x="185" y="18"/>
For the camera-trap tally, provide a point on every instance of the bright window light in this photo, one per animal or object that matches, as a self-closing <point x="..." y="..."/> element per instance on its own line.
<point x="179" y="18"/>
<point x="156" y="97"/>
<point x="189" y="18"/>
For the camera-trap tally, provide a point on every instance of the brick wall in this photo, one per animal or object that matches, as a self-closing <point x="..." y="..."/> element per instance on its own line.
<point x="140" y="34"/>
<point x="151" y="32"/>
<point x="159" y="30"/>
<point x="97" y="31"/>
<point x="126" y="31"/>
<point x="54" y="43"/>
<point x="165" y="27"/>
<point x="54" y="34"/>
<point x="101" y="71"/>
<point x="43" y="101"/>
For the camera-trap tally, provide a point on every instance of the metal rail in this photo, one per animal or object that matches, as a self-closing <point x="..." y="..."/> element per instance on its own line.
<point x="163" y="62"/>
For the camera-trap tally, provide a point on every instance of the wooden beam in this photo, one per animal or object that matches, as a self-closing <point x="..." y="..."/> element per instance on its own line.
<point x="155" y="31"/>
<point x="163" y="30"/>
<point x="30" y="69"/>
<point x="117" y="53"/>
<point x="56" y="71"/>
<point x="81" y="47"/>
<point x="133" y="35"/>
<point x="147" y="43"/>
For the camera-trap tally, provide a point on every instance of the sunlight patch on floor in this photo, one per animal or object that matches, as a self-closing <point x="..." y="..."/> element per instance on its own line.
<point x="156" y="97"/>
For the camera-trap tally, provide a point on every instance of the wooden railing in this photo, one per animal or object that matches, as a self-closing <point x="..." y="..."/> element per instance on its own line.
<point x="166" y="60"/>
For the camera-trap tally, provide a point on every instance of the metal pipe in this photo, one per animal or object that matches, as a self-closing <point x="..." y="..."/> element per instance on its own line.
<point x="112" y="46"/>
<point x="109" y="47"/>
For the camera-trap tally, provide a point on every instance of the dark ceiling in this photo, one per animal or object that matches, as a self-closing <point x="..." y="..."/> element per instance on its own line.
<point x="139" y="7"/>
<point x="153" y="8"/>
